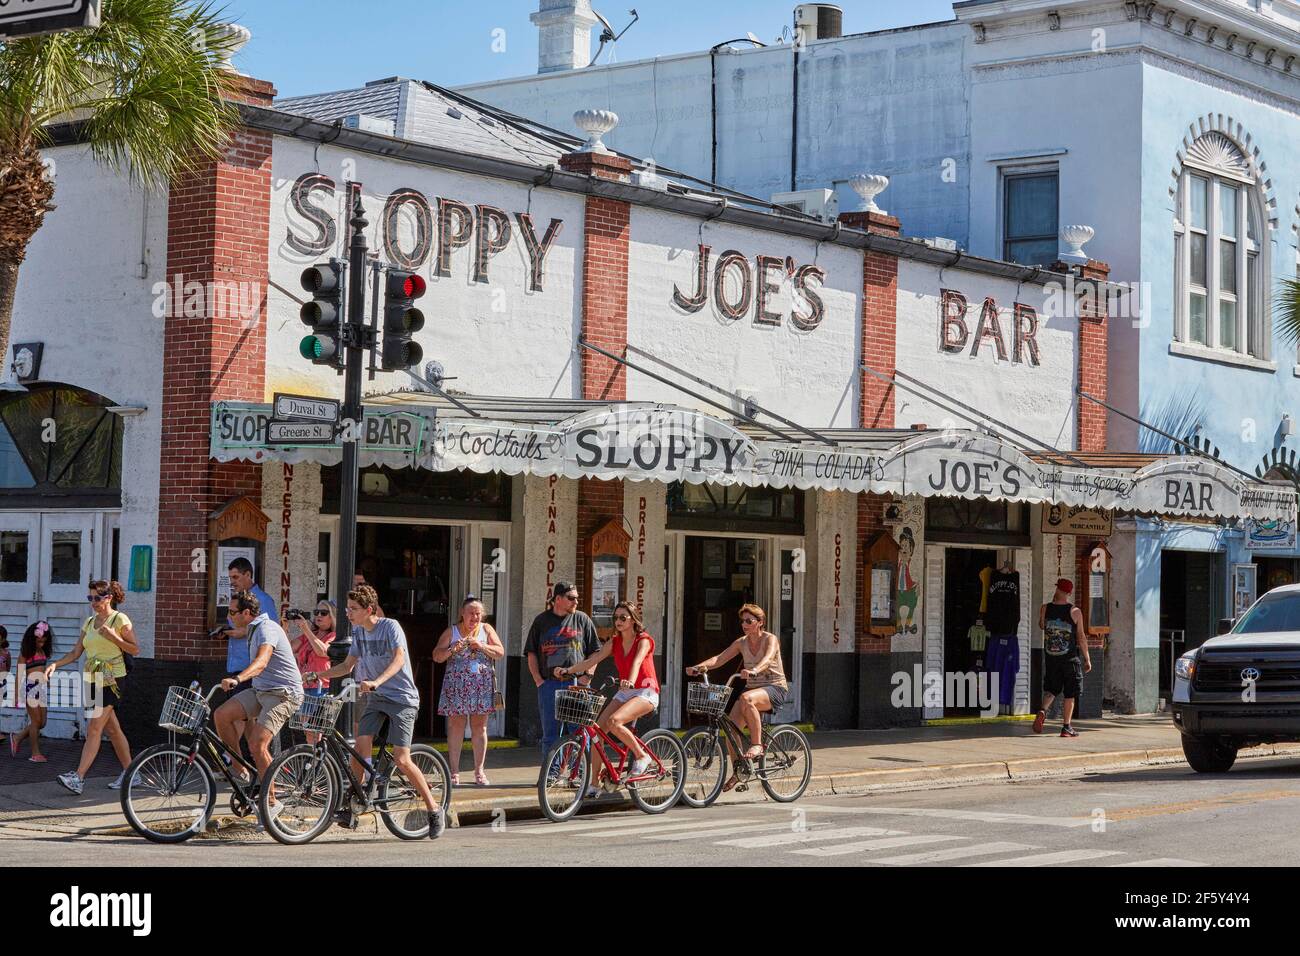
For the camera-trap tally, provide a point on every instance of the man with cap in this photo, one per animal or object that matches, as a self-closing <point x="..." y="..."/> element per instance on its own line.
<point x="561" y="636"/>
<point x="1065" y="655"/>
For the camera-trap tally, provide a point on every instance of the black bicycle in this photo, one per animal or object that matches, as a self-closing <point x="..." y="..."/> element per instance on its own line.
<point x="309" y="787"/>
<point x="784" y="768"/>
<point x="169" y="791"/>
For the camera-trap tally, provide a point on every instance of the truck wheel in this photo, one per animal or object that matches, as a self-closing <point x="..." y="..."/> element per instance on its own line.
<point x="1208" y="754"/>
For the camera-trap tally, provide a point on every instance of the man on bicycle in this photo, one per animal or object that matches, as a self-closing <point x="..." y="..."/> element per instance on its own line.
<point x="383" y="665"/>
<point x="276" y="692"/>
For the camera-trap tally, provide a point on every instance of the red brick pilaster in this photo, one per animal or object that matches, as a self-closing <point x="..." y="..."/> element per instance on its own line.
<point x="218" y="235"/>
<point x="1090" y="430"/>
<point x="606" y="235"/>
<point x="879" y="319"/>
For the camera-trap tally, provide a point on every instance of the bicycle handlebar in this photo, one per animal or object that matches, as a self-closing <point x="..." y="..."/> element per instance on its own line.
<point x="704" y="672"/>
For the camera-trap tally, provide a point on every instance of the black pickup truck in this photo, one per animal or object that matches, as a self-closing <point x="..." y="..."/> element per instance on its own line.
<point x="1243" y="687"/>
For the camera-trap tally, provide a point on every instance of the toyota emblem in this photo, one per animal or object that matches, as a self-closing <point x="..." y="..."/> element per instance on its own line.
<point x="1250" y="674"/>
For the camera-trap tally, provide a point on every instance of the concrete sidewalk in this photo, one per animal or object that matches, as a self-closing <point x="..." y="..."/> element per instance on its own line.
<point x="843" y="761"/>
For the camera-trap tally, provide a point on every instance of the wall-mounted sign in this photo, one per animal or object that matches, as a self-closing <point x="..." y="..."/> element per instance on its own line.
<point x="27" y="360"/>
<point x="30" y="17"/>
<point x="299" y="433"/>
<point x="739" y="287"/>
<point x="1065" y="519"/>
<point x="1270" y="536"/>
<point x="1019" y="340"/>
<point x="394" y="436"/>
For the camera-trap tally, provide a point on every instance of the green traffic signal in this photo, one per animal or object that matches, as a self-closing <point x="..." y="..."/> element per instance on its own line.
<point x="322" y="312"/>
<point x="317" y="348"/>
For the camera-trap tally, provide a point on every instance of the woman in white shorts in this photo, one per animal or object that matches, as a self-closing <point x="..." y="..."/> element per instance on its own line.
<point x="638" y="696"/>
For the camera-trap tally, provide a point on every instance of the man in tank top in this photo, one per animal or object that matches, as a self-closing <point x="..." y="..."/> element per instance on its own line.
<point x="1065" y="655"/>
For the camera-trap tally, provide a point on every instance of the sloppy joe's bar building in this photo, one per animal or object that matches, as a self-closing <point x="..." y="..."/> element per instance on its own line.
<point x="660" y="390"/>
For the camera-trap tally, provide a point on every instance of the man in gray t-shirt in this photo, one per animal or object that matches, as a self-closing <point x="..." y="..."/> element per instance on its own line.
<point x="276" y="693"/>
<point x="382" y="663"/>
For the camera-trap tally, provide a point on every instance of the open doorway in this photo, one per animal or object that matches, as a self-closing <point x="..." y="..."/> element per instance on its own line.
<point x="410" y="566"/>
<point x="965" y="638"/>
<point x="721" y="574"/>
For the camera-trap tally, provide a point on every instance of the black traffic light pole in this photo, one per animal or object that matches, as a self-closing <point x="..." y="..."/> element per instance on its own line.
<point x="353" y="336"/>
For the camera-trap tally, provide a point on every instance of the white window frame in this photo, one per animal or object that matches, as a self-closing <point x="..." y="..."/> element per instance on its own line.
<point x="1249" y="254"/>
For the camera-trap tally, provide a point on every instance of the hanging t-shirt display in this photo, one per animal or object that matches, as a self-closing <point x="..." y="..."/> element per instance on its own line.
<point x="1003" y="615"/>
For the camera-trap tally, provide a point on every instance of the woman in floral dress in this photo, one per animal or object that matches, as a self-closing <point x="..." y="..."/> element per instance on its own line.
<point x="470" y="648"/>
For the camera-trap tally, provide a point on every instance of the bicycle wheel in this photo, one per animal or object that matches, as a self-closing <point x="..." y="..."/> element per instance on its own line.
<point x="786" y="765"/>
<point x="563" y="780"/>
<point x="659" y="794"/>
<point x="166" y="797"/>
<point x="706" y="767"/>
<point x="306" y="786"/>
<point x="402" y="808"/>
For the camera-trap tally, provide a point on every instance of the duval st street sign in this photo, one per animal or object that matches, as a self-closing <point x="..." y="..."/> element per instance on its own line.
<point x="304" y="408"/>
<point x="28" y="17"/>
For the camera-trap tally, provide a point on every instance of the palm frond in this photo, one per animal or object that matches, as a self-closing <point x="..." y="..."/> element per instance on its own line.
<point x="1286" y="310"/>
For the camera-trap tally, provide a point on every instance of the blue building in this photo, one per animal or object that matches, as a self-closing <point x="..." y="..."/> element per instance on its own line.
<point x="1169" y="128"/>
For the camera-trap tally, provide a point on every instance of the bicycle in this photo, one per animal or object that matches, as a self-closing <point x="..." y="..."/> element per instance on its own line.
<point x="562" y="787"/>
<point x="784" y="768"/>
<point x="308" y="781"/>
<point x="169" y="792"/>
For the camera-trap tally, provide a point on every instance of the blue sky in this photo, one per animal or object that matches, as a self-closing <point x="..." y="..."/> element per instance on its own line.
<point x="450" y="42"/>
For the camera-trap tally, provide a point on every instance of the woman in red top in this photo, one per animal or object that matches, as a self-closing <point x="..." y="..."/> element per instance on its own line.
<point x="633" y="650"/>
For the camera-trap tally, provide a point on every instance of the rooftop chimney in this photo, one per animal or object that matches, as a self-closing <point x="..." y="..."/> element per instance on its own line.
<point x="564" y="34"/>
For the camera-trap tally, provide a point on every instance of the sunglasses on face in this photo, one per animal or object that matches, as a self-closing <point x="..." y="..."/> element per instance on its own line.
<point x="749" y="620"/>
<point x="92" y="598"/>
<point x="622" y="617"/>
<point x="321" y="612"/>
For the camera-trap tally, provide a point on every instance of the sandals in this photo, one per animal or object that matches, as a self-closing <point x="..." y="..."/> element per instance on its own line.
<point x="732" y="782"/>
<point x="480" y="779"/>
<point x="455" y="779"/>
<point x="754" y="752"/>
<point x="37" y="758"/>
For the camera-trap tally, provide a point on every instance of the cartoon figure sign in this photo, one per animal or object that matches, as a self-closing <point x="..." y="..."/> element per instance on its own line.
<point x="907" y="588"/>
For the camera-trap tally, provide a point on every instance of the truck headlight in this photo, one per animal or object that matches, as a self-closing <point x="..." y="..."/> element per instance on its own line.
<point x="1185" y="666"/>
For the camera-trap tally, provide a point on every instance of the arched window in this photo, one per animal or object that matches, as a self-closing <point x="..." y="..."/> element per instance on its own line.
<point x="1220" y="268"/>
<point x="60" y="441"/>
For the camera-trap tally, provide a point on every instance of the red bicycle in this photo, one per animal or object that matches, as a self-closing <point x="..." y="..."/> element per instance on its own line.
<point x="562" y="786"/>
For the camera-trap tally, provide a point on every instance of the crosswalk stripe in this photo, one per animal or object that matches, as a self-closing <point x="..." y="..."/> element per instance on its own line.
<point x="693" y="826"/>
<point x="1050" y="859"/>
<point x="1163" y="861"/>
<point x="638" y="822"/>
<point x="887" y="843"/>
<point x="721" y="831"/>
<point x="808" y="836"/>
<point x="975" y="816"/>
<point x="954" y="853"/>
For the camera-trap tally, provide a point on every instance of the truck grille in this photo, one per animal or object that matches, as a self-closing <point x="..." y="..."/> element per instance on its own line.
<point x="1277" y="672"/>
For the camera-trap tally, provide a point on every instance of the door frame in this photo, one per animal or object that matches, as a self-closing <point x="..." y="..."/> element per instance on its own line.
<point x="672" y="707"/>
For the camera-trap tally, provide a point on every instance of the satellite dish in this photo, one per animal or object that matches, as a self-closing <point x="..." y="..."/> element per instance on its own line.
<point x="608" y="33"/>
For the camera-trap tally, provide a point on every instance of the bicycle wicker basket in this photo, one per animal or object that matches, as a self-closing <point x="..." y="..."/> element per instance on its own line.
<point x="183" y="711"/>
<point x="708" y="700"/>
<point x="316" y="714"/>
<point x="578" y="705"/>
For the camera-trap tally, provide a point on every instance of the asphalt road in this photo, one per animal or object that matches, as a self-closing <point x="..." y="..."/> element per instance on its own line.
<point x="1163" y="816"/>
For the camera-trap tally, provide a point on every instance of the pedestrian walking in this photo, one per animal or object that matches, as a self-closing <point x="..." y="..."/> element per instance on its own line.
<point x="33" y="654"/>
<point x="106" y="638"/>
<point x="560" y="636"/>
<point x="311" y="650"/>
<point x="1065" y="656"/>
<point x="470" y="648"/>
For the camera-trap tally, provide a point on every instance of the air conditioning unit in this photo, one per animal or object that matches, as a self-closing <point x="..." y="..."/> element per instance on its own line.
<point x="811" y="202"/>
<point x="369" y="124"/>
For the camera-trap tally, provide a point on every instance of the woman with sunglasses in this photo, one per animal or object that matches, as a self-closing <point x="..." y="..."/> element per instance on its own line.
<point x="311" y="649"/>
<point x="106" y="637"/>
<point x="765" y="683"/>
<point x="638" y="695"/>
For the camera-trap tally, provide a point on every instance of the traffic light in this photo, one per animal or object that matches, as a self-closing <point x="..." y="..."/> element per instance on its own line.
<point x="401" y="320"/>
<point x="323" y="313"/>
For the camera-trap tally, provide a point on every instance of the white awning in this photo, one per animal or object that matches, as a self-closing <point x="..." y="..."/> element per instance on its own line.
<point x="649" y="442"/>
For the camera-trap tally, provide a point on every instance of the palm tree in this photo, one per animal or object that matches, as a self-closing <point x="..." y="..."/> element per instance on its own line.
<point x="148" y="89"/>
<point x="1286" y="309"/>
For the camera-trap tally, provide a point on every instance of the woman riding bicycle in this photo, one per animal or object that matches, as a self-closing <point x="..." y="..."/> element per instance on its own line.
<point x="633" y="650"/>
<point x="766" y="687"/>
